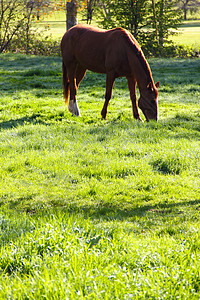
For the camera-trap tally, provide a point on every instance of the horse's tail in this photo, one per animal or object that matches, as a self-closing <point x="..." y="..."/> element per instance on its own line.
<point x="65" y="84"/>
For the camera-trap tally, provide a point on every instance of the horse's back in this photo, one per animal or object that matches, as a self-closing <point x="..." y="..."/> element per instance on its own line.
<point x="96" y="49"/>
<point x="78" y="30"/>
<point x="79" y="33"/>
<point x="91" y="34"/>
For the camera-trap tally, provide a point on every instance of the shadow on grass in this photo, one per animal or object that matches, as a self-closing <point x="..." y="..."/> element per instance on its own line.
<point x="37" y="119"/>
<point x="104" y="211"/>
<point x="185" y="126"/>
<point x="13" y="123"/>
<point x="181" y="126"/>
<point x="195" y="23"/>
<point x="109" y="211"/>
<point x="20" y="62"/>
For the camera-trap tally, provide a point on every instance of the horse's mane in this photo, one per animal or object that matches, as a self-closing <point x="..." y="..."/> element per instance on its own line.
<point x="137" y="50"/>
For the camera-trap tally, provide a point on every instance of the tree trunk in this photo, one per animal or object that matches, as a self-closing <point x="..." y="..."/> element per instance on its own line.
<point x="155" y="21"/>
<point x="89" y="11"/>
<point x="71" y="8"/>
<point x="161" y="25"/>
<point x="134" y="20"/>
<point x="185" y="11"/>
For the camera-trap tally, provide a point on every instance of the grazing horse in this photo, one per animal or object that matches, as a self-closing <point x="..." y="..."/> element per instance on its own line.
<point x="115" y="53"/>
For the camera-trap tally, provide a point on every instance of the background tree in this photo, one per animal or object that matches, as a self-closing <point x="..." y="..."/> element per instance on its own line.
<point x="166" y="18"/>
<point x="130" y="14"/>
<point x="90" y="7"/>
<point x="14" y="18"/>
<point x="39" y="7"/>
<point x="150" y="21"/>
<point x="155" y="21"/>
<point x="189" y="5"/>
<point x="17" y="26"/>
<point x="72" y="7"/>
<point x="71" y="13"/>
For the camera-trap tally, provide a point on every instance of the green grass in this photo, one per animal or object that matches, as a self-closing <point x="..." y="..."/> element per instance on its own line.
<point x="188" y="34"/>
<point x="94" y="209"/>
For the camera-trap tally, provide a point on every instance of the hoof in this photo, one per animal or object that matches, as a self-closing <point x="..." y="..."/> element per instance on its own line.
<point x="76" y="110"/>
<point x="138" y="118"/>
<point x="71" y="106"/>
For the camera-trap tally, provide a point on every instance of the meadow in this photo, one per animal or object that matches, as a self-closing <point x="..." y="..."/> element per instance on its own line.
<point x="188" y="34"/>
<point x="93" y="209"/>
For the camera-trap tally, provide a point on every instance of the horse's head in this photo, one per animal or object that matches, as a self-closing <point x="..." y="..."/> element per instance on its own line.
<point x="148" y="101"/>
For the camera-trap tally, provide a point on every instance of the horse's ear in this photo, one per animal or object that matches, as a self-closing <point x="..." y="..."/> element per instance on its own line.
<point x="157" y="84"/>
<point x="150" y="86"/>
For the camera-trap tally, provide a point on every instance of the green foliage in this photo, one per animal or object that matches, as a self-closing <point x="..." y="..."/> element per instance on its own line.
<point x="98" y="209"/>
<point x="38" y="44"/>
<point x="18" y="31"/>
<point x="15" y="20"/>
<point x="128" y="14"/>
<point x="168" y="19"/>
<point x="150" y="24"/>
<point x="151" y="49"/>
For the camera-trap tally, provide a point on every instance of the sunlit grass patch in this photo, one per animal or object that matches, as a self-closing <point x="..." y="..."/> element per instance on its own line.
<point x="93" y="208"/>
<point x="59" y="255"/>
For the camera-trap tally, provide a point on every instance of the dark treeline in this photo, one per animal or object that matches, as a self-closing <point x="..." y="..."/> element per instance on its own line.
<point x="152" y="22"/>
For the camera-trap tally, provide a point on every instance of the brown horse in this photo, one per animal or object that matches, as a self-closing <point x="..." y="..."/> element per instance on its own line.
<point x="113" y="52"/>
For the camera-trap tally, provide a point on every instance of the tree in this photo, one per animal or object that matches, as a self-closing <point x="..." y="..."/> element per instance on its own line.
<point x="89" y="7"/>
<point x="72" y="7"/>
<point x="17" y="20"/>
<point x="14" y="18"/>
<point x="188" y="5"/>
<point x="130" y="14"/>
<point x="71" y="17"/>
<point x="150" y="21"/>
<point x="166" y="18"/>
<point x="38" y="6"/>
<point x="155" y="21"/>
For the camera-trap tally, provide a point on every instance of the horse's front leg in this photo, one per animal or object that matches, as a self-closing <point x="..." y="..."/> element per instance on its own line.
<point x="110" y="79"/>
<point x="132" y="89"/>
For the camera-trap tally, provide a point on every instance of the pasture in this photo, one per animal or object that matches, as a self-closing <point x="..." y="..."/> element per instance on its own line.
<point x="93" y="209"/>
<point x="188" y="34"/>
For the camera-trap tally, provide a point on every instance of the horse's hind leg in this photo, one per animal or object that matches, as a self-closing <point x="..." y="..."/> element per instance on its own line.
<point x="76" y="76"/>
<point x="80" y="73"/>
<point x="73" y="107"/>
<point x="110" y="79"/>
<point x="65" y="84"/>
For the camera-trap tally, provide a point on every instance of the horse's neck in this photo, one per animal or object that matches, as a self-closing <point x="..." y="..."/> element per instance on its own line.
<point x="142" y="84"/>
<point x="143" y="75"/>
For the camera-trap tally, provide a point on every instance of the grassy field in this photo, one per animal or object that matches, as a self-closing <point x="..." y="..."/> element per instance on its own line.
<point x="93" y="209"/>
<point x="189" y="34"/>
